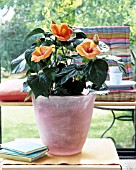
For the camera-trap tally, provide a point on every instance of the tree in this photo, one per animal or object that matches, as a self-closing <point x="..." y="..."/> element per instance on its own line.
<point x="108" y="13"/>
<point x="12" y="41"/>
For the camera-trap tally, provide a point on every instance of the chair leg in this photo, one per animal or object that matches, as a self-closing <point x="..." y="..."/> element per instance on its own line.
<point x="121" y="118"/>
<point x="113" y="114"/>
<point x="133" y="119"/>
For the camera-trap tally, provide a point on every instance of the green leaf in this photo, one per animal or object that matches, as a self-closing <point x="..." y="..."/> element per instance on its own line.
<point x="122" y="67"/>
<point x="28" y="96"/>
<point x="49" y="34"/>
<point x="48" y="42"/>
<point x="76" y="42"/>
<point x="34" y="32"/>
<point x="67" y="43"/>
<point x="66" y="70"/>
<point x="79" y="34"/>
<point x="76" y="58"/>
<point x="40" y="84"/>
<point x="71" y="71"/>
<point x="67" y="76"/>
<point x="96" y="71"/>
<point x="60" y="91"/>
<point x="26" y="87"/>
<point x="18" y="64"/>
<point x="51" y="72"/>
<point x="75" y="87"/>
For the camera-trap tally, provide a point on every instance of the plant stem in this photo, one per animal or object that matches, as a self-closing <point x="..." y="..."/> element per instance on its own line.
<point x="64" y="54"/>
<point x="55" y="56"/>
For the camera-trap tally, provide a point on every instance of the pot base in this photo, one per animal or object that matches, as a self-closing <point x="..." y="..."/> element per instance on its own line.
<point x="63" y="153"/>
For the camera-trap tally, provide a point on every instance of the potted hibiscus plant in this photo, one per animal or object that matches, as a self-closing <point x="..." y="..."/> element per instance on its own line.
<point x="51" y="62"/>
<point x="58" y="64"/>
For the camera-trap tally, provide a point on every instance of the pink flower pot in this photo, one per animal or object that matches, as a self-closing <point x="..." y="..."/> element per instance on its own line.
<point x="63" y="122"/>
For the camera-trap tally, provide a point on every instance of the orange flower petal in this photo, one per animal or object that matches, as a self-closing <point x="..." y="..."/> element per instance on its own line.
<point x="80" y="50"/>
<point x="54" y="29"/>
<point x="37" y="53"/>
<point x="35" y="58"/>
<point x="41" y="53"/>
<point x="88" y="49"/>
<point x="65" y="30"/>
<point x="61" y="31"/>
<point x="38" y="50"/>
<point x="92" y="44"/>
<point x="47" y="53"/>
<point x="43" y="49"/>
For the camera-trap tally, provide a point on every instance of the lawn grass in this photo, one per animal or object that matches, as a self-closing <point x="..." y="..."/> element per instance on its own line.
<point x="122" y="131"/>
<point x="19" y="122"/>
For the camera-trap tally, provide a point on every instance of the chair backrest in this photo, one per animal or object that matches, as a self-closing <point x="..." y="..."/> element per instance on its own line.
<point x="118" y="39"/>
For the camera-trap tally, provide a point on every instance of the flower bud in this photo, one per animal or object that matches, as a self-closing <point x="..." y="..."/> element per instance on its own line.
<point x="53" y="22"/>
<point x="96" y="39"/>
<point x="38" y="41"/>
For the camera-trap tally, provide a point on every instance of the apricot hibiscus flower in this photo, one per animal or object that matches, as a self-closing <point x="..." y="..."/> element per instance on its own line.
<point x="61" y="31"/>
<point x="41" y="53"/>
<point x="88" y="49"/>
